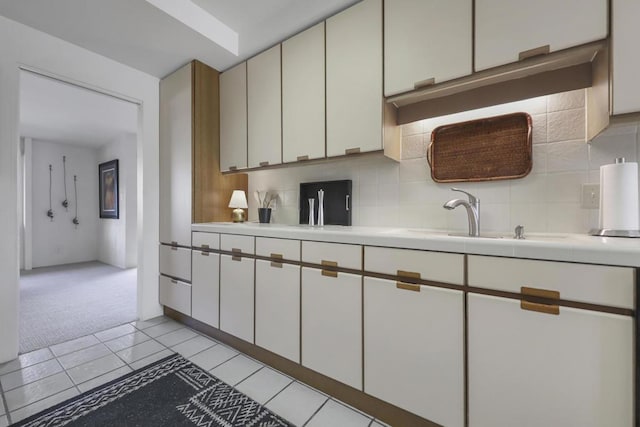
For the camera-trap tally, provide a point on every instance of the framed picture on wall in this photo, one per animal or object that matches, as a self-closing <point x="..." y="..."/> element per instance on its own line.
<point x="108" y="179"/>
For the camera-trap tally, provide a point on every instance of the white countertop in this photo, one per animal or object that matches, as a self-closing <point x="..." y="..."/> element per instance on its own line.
<point x="546" y="246"/>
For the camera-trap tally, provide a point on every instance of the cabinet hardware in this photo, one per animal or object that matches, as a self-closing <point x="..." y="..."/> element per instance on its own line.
<point x="541" y="308"/>
<point x="264" y="164"/>
<point x="236" y="250"/>
<point x="408" y="286"/>
<point x="175" y="282"/>
<point x="205" y="246"/>
<point x="352" y="150"/>
<point x="329" y="273"/>
<point x="329" y="263"/>
<point x="277" y="256"/>
<point x="174" y="248"/>
<point x="542" y="50"/>
<point x="204" y="253"/>
<point x="346" y="202"/>
<point x="301" y="158"/>
<point x="236" y="256"/>
<point x="542" y="293"/>
<point x="408" y="274"/>
<point x="424" y="83"/>
<point x="174" y="243"/>
<point x="276" y="264"/>
<point x="233" y="168"/>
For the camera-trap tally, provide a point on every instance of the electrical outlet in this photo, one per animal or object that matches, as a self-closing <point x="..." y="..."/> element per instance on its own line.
<point x="590" y="196"/>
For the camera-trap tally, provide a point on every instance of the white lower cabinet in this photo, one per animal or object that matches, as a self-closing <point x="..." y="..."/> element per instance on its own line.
<point x="278" y="308"/>
<point x="175" y="294"/>
<point x="237" y="296"/>
<point x="205" y="287"/>
<point x="332" y="325"/>
<point x="532" y="369"/>
<point x="414" y="349"/>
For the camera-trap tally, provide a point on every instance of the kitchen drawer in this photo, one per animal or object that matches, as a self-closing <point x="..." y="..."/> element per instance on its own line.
<point x="175" y="262"/>
<point x="231" y="242"/>
<point x="285" y="248"/>
<point x="200" y="240"/>
<point x="596" y="284"/>
<point x="175" y="294"/>
<point x="346" y="256"/>
<point x="435" y="266"/>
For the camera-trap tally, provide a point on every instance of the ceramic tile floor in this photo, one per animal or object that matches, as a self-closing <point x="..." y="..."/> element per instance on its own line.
<point x="43" y="378"/>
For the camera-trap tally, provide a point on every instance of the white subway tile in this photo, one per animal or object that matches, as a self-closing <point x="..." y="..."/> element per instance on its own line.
<point x="565" y="187"/>
<point x="567" y="156"/>
<point x="413" y="147"/>
<point x="566" y="125"/>
<point x="435" y="216"/>
<point x="388" y="194"/>
<point x="567" y="218"/>
<point x="533" y="216"/>
<point x="411" y="216"/>
<point x="539" y="128"/>
<point x="414" y="170"/>
<point x="368" y="195"/>
<point x="566" y="100"/>
<point x="539" y="159"/>
<point x="388" y="216"/>
<point x="607" y="149"/>
<point x="494" y="217"/>
<point x="530" y="189"/>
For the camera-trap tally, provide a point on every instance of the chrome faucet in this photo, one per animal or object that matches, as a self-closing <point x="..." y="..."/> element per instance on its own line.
<point x="473" y="210"/>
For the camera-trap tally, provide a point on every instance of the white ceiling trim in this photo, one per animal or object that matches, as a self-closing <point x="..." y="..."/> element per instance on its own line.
<point x="198" y="19"/>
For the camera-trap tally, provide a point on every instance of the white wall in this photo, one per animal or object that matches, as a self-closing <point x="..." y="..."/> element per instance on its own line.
<point x="117" y="237"/>
<point x="60" y="241"/>
<point x="386" y="193"/>
<point x="24" y="46"/>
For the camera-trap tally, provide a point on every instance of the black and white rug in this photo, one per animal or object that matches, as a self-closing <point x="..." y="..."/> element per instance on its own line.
<point x="169" y="392"/>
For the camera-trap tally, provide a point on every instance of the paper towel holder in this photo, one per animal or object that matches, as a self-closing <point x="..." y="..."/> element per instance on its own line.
<point x="615" y="233"/>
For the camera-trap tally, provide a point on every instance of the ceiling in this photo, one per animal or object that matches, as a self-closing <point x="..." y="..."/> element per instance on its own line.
<point x="54" y="111"/>
<point x="138" y="34"/>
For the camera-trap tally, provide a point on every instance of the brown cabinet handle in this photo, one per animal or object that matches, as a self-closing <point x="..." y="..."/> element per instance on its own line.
<point x="301" y="158"/>
<point x="236" y="254"/>
<point x="275" y="264"/>
<point x="408" y="274"/>
<point x="205" y="246"/>
<point x="424" y="83"/>
<point x="264" y="164"/>
<point x="408" y="286"/>
<point x="541" y="293"/>
<point x="236" y="250"/>
<point x="541" y="308"/>
<point x="352" y="150"/>
<point x="174" y="248"/>
<point x="174" y="243"/>
<point x="233" y="168"/>
<point x="203" y="253"/>
<point x="542" y="50"/>
<point x="329" y="273"/>
<point x="537" y="306"/>
<point x="175" y="282"/>
<point x="276" y="256"/>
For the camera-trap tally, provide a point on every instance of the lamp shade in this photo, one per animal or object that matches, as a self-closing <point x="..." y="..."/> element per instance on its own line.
<point x="238" y="200"/>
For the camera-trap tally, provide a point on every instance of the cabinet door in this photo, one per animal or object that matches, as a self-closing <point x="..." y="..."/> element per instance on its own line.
<point x="175" y="262"/>
<point x="533" y="369"/>
<point x="505" y="29"/>
<point x="626" y="62"/>
<point x="303" y="94"/>
<point x="278" y="308"/>
<point x="425" y="40"/>
<point x="175" y="294"/>
<point x="354" y="79"/>
<point x="205" y="287"/>
<point x="264" y="108"/>
<point x="332" y="325"/>
<point x="236" y="296"/>
<point x="413" y="349"/>
<point x="175" y="157"/>
<point x="233" y="118"/>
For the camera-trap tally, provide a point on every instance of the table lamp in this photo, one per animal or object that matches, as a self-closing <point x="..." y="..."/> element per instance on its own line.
<point x="239" y="203"/>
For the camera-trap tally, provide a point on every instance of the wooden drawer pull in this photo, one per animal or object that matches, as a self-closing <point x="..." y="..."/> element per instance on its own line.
<point x="276" y="256"/>
<point x="542" y="50"/>
<point x="275" y="264"/>
<point x="205" y="246"/>
<point x="408" y="274"/>
<point x="541" y="293"/>
<point x="203" y="253"/>
<point x="301" y="158"/>
<point x="175" y="282"/>
<point x="174" y="243"/>
<point x="236" y="250"/>
<point x="264" y="164"/>
<point x="424" y="83"/>
<point x="352" y="151"/>
<point x="329" y="273"/>
<point x="408" y="286"/>
<point x="236" y="256"/>
<point x="329" y="263"/>
<point x="541" y="308"/>
<point x="174" y="248"/>
<point x="233" y="168"/>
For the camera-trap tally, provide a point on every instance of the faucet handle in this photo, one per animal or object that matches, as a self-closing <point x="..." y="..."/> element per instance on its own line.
<point x="472" y="199"/>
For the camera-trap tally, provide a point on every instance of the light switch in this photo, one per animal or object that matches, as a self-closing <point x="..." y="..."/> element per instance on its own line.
<point x="590" y="196"/>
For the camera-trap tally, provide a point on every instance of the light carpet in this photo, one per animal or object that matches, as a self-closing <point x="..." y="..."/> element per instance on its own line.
<point x="64" y="302"/>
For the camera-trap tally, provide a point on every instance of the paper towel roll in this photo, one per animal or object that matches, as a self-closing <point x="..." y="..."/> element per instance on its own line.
<point x="619" y="196"/>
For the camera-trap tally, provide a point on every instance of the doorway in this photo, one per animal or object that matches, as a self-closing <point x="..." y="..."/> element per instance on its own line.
<point x="78" y="268"/>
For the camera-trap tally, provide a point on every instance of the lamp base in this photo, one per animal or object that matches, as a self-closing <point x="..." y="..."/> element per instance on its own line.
<point x="238" y="215"/>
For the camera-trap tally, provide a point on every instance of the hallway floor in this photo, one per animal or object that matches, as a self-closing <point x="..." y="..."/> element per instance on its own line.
<point x="64" y="302"/>
<point x="43" y="378"/>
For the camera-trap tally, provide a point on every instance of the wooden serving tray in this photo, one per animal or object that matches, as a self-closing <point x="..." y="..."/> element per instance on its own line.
<point x="486" y="149"/>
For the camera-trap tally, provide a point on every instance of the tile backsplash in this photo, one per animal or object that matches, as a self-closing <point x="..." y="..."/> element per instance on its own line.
<point x="387" y="193"/>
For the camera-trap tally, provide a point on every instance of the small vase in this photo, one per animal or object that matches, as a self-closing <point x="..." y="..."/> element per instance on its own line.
<point x="264" y="215"/>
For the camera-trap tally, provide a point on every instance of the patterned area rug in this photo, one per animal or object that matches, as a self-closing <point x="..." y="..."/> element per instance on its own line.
<point x="170" y="392"/>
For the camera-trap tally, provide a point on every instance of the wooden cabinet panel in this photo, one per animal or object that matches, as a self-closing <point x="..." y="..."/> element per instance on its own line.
<point x="354" y="79"/>
<point x="237" y="297"/>
<point x="233" y="118"/>
<point x="504" y="29"/>
<point x="533" y="369"/>
<point x="175" y="157"/>
<point x="264" y="108"/>
<point x="175" y="294"/>
<point x="205" y="287"/>
<point x="303" y="95"/>
<point x="436" y="266"/>
<point x="278" y="308"/>
<point x="596" y="284"/>
<point x="413" y="349"/>
<point x="626" y="62"/>
<point x="425" y="40"/>
<point x="332" y="325"/>
<point x="175" y="262"/>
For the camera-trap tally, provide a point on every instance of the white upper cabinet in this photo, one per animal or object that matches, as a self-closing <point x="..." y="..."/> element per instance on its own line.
<point x="264" y="108"/>
<point x="507" y="29"/>
<point x="626" y="61"/>
<point x="233" y="118"/>
<point x="303" y="92"/>
<point x="354" y="79"/>
<point x="175" y="157"/>
<point x="425" y="41"/>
